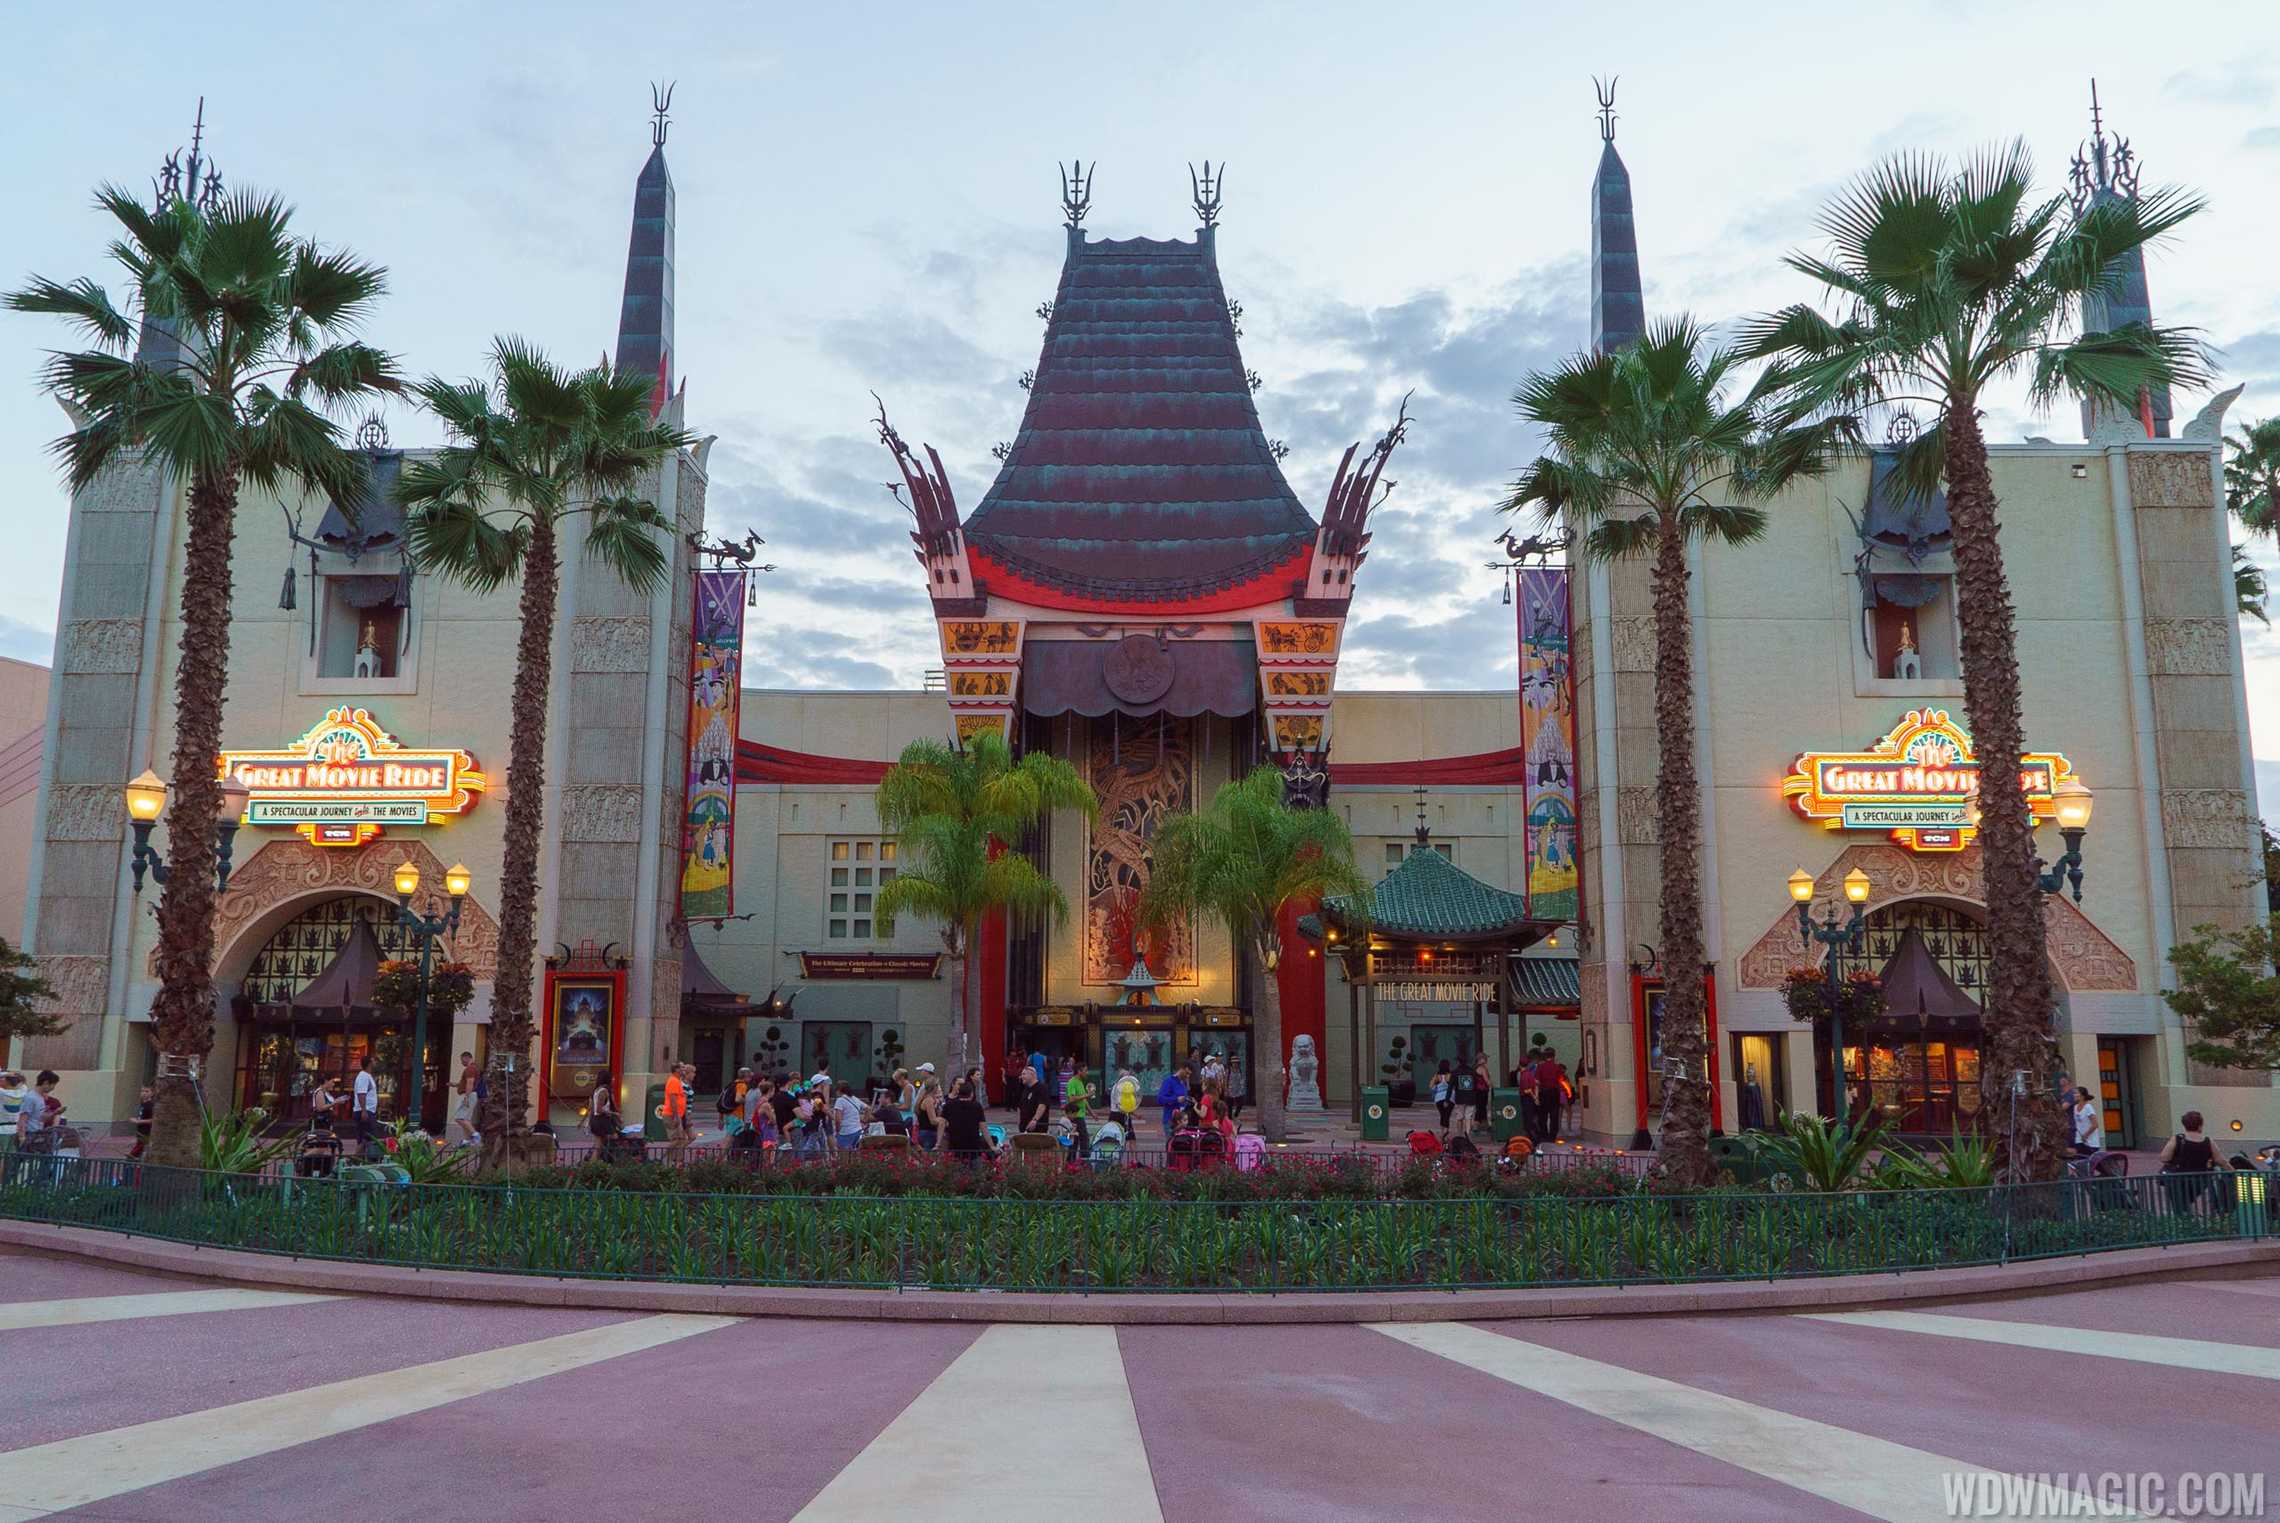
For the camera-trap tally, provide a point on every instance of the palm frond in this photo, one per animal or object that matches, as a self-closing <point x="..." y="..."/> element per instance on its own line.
<point x="455" y="538"/>
<point x="629" y="535"/>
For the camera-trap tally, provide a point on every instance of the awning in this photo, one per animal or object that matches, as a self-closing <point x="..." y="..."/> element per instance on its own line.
<point x="341" y="993"/>
<point x="1207" y="677"/>
<point x="1547" y="982"/>
<point x="1919" y="995"/>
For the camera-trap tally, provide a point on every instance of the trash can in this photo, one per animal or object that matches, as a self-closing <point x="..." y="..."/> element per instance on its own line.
<point x="652" y="1124"/>
<point x="1377" y="1113"/>
<point x="1505" y="1118"/>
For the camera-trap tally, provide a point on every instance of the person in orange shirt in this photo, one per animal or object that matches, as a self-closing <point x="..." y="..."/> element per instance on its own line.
<point x="675" y="1111"/>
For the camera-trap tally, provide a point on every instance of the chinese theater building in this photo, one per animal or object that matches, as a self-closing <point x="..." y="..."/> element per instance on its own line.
<point x="1139" y="591"/>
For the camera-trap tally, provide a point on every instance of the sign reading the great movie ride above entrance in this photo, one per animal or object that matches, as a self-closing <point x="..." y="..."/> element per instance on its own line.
<point x="347" y="778"/>
<point x="1920" y="782"/>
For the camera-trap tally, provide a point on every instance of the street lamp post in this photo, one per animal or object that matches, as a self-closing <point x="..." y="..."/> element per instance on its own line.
<point x="1836" y="936"/>
<point x="2073" y="801"/>
<point x="146" y="801"/>
<point x="425" y="928"/>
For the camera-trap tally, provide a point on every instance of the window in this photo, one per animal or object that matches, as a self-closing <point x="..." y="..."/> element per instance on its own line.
<point x="1397" y="851"/>
<point x="360" y="627"/>
<point x="1911" y="631"/>
<point x="858" y="870"/>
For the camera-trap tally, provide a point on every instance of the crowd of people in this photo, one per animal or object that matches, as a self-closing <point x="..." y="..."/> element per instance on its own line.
<point x="1547" y="1095"/>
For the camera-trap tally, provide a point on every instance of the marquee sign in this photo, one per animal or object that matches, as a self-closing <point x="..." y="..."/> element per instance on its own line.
<point x="1920" y="782"/>
<point x="347" y="778"/>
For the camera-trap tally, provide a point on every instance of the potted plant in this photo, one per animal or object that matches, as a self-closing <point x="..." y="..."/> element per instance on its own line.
<point x="1400" y="1081"/>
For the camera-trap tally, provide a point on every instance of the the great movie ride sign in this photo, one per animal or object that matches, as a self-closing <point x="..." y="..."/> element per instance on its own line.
<point x="346" y="779"/>
<point x="1919" y="783"/>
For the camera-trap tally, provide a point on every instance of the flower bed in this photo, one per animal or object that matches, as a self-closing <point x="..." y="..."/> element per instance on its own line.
<point x="1010" y="1241"/>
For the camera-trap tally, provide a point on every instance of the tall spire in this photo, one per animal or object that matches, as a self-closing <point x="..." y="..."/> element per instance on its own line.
<point x="188" y="176"/>
<point x="1618" y="306"/>
<point x="2105" y="170"/>
<point x="645" y="322"/>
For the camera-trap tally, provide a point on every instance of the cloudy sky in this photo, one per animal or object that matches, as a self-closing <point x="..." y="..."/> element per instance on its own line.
<point x="868" y="198"/>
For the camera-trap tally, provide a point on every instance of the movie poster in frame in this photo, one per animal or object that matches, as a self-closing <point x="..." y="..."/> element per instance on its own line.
<point x="716" y="676"/>
<point x="581" y="1032"/>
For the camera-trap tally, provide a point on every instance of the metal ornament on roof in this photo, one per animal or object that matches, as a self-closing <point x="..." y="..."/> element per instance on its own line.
<point x="1076" y="190"/>
<point x="1606" y="94"/>
<point x="196" y="180"/>
<point x="1205" y="190"/>
<point x="661" y="104"/>
<point x="372" y="434"/>
<point x="2103" y="165"/>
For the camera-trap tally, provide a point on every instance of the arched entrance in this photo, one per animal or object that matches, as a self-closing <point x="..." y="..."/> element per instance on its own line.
<point x="1918" y="1066"/>
<point x="286" y="1048"/>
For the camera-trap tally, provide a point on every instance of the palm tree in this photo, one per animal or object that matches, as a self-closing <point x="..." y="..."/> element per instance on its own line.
<point x="529" y="453"/>
<point x="1241" y="861"/>
<point x="2252" y="476"/>
<point x="265" y="364"/>
<point x="954" y="811"/>
<point x="1949" y="281"/>
<point x="2249" y="587"/>
<point x="1647" y="456"/>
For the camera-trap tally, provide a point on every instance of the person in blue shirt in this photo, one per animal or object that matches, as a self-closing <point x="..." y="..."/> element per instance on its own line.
<point x="1171" y="1095"/>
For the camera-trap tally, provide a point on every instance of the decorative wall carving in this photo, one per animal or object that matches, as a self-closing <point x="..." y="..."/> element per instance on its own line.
<point x="607" y="812"/>
<point x="1636" y="821"/>
<point x="81" y="983"/>
<point x="2206" y="817"/>
<point x="2170" y="479"/>
<point x="100" y="646"/>
<point x="609" y="644"/>
<point x="1633" y="641"/>
<point x="85" y="812"/>
<point x="2188" y="647"/>
<point x="1141" y="772"/>
<point x="2084" y="958"/>
<point x="288" y="869"/>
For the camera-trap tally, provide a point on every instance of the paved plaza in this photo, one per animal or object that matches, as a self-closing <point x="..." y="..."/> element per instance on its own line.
<point x="134" y="1396"/>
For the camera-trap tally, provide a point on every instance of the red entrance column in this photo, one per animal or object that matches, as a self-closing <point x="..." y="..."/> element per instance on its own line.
<point x="1302" y="981"/>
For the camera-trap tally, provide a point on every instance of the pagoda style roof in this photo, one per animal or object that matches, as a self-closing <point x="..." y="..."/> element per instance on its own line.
<point x="1430" y="898"/>
<point x="1140" y="474"/>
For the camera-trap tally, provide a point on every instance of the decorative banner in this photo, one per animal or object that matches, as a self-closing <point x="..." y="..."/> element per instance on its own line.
<point x="1920" y="782"/>
<point x="1142" y="771"/>
<point x="716" y="678"/>
<point x="346" y="778"/>
<point x="860" y="965"/>
<point x="1547" y="740"/>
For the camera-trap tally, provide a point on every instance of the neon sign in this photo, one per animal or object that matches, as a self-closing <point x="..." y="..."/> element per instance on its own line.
<point x="346" y="779"/>
<point x="1920" y="782"/>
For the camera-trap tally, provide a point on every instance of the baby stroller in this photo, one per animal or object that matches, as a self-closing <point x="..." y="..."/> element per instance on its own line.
<point x="1185" y="1144"/>
<point x="1210" y="1149"/>
<point x="320" y="1151"/>
<point x="1424" y="1145"/>
<point x="621" y="1147"/>
<point x="1250" y="1152"/>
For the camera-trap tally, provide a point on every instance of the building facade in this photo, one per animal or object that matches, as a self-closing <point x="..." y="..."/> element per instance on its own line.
<point x="1140" y="592"/>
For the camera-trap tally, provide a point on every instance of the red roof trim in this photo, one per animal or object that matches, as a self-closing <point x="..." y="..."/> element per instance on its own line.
<point x="1271" y="585"/>
<point x="1507" y="767"/>
<point x="756" y="763"/>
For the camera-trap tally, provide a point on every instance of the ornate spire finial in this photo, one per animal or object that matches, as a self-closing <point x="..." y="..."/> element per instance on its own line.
<point x="1076" y="190"/>
<point x="1606" y="94"/>
<point x="660" y="108"/>
<point x="1205" y="189"/>
<point x="197" y="181"/>
<point x="1424" y="831"/>
<point x="2102" y="165"/>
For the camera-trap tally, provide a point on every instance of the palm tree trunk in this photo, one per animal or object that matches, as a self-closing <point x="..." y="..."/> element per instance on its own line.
<point x="182" y="1016"/>
<point x="955" y="1068"/>
<point x="2018" y="1022"/>
<point x="1685" y="1141"/>
<point x="509" y="1108"/>
<point x="1267" y="1049"/>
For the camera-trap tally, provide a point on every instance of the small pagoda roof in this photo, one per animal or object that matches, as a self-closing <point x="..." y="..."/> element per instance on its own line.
<point x="701" y="988"/>
<point x="1430" y="898"/>
<point x="346" y="982"/>
<point x="1916" y="987"/>
<point x="1140" y="474"/>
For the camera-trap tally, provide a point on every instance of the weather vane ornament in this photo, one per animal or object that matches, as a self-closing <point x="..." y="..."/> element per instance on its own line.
<point x="1606" y="94"/>
<point x="1076" y="190"/>
<point x="196" y="182"/>
<point x="660" y="111"/>
<point x="1205" y="190"/>
<point x="2103" y="165"/>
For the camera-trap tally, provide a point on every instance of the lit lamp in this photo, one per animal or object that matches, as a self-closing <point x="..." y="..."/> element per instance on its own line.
<point x="146" y="801"/>
<point x="1837" y="936"/>
<point x="424" y="929"/>
<point x="2072" y="804"/>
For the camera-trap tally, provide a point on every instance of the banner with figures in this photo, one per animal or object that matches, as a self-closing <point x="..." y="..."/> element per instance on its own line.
<point x="716" y="676"/>
<point x="1547" y="735"/>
